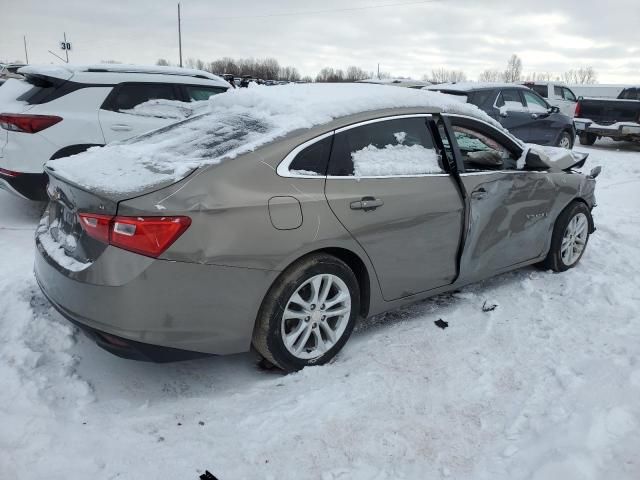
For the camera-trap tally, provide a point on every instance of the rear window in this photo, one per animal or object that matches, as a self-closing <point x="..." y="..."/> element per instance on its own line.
<point x="45" y="89"/>
<point x="197" y="93"/>
<point x="480" y="97"/>
<point x="127" y="96"/>
<point x="629" y="94"/>
<point x="313" y="160"/>
<point x="541" y="90"/>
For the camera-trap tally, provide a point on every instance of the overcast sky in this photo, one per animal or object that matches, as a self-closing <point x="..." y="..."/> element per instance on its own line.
<point x="407" y="38"/>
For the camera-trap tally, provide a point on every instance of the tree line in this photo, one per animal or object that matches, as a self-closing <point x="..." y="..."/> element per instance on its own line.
<point x="270" y="69"/>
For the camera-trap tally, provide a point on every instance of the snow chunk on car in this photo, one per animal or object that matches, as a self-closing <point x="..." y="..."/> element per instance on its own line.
<point x="235" y="122"/>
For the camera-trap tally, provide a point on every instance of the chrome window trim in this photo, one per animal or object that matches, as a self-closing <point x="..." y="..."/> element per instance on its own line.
<point x="283" y="167"/>
<point x="500" y="130"/>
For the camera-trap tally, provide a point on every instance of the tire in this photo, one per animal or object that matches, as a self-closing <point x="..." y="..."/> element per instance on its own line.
<point x="308" y="326"/>
<point x="587" y="138"/>
<point x="569" y="239"/>
<point x="565" y="140"/>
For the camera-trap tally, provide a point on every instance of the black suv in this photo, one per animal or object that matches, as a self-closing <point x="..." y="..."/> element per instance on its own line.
<point x="518" y="109"/>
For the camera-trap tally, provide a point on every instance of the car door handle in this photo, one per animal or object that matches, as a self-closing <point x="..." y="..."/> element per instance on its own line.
<point x="478" y="193"/>
<point x="366" y="204"/>
<point x="119" y="127"/>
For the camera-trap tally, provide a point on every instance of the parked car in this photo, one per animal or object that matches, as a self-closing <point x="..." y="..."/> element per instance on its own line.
<point x="293" y="212"/>
<point x="63" y="110"/>
<point x="556" y="94"/>
<point x="10" y="70"/>
<point x="614" y="118"/>
<point x="520" y="110"/>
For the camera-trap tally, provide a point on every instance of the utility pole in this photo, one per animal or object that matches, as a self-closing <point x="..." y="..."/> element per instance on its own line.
<point x="378" y="71"/>
<point x="179" y="35"/>
<point x="26" y="54"/>
<point x="66" y="50"/>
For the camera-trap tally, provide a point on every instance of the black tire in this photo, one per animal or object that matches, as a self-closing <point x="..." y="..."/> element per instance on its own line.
<point x="587" y="138"/>
<point x="566" y="136"/>
<point x="267" y="335"/>
<point x="554" y="259"/>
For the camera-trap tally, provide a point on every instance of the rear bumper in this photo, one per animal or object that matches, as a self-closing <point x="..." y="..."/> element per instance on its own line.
<point x="157" y="310"/>
<point x="32" y="186"/>
<point x="629" y="130"/>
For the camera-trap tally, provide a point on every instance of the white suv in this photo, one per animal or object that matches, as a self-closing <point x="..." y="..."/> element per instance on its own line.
<point x="57" y="111"/>
<point x="557" y="94"/>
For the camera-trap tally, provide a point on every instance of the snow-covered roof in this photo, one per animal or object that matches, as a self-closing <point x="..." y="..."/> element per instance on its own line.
<point x="234" y="123"/>
<point x="66" y="71"/>
<point x="468" y="86"/>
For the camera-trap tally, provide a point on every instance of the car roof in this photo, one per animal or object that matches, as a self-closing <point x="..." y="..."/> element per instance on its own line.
<point x="472" y="86"/>
<point x="118" y="73"/>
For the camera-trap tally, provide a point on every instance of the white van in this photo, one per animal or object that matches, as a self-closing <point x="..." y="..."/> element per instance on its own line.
<point x="557" y="94"/>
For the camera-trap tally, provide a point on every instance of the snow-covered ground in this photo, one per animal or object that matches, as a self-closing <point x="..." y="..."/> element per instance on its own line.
<point x="545" y="387"/>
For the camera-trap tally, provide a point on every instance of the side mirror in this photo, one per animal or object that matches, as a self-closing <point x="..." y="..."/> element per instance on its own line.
<point x="554" y="109"/>
<point x="595" y="172"/>
<point x="534" y="161"/>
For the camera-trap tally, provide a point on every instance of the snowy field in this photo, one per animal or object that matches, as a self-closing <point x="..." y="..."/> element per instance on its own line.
<point x="545" y="387"/>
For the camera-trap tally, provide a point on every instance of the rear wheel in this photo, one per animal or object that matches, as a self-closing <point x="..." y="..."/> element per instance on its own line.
<point x="308" y="314"/>
<point x="569" y="239"/>
<point x="566" y="140"/>
<point x="588" y="138"/>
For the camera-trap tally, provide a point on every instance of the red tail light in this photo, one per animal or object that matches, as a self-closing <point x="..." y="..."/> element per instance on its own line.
<point x="149" y="236"/>
<point x="16" y="122"/>
<point x="9" y="173"/>
<point x="578" y="110"/>
<point x="96" y="226"/>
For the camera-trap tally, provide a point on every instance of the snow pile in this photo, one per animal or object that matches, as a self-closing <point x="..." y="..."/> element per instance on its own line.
<point x="169" y="109"/>
<point x="395" y="160"/>
<point x="237" y="122"/>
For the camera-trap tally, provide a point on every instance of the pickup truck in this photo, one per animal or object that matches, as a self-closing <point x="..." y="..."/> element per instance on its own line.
<point x="615" y="118"/>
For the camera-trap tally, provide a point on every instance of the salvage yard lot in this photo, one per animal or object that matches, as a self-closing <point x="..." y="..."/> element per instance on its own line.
<point x="543" y="387"/>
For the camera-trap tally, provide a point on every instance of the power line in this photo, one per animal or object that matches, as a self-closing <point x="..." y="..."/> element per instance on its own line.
<point x="332" y="10"/>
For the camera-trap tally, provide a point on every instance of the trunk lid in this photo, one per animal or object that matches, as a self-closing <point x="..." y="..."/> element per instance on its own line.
<point x="60" y="232"/>
<point x="607" y="112"/>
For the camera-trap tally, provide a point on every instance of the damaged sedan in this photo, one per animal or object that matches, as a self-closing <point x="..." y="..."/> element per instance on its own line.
<point x="284" y="214"/>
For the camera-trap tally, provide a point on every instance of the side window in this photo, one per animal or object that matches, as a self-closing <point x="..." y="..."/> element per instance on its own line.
<point x="568" y="95"/>
<point x="535" y="103"/>
<point x="481" y="152"/>
<point x="541" y="90"/>
<point x="197" y="93"/>
<point x="313" y="160"/>
<point x="510" y="101"/>
<point x="129" y="95"/>
<point x="557" y="91"/>
<point x="386" y="148"/>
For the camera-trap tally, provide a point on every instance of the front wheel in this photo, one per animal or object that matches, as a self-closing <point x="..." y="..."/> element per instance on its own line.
<point x="565" y="141"/>
<point x="569" y="239"/>
<point x="308" y="314"/>
<point x="587" y="138"/>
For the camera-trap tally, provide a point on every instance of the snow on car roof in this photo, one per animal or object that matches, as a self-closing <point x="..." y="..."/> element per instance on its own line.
<point x="234" y="123"/>
<point x="468" y="86"/>
<point x="65" y="71"/>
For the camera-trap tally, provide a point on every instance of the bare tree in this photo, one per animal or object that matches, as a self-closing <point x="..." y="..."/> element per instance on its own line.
<point x="354" y="73"/>
<point x="583" y="75"/>
<point x="306" y="79"/>
<point x="290" y="74"/>
<point x="513" y="73"/>
<point x="162" y="62"/>
<point x="442" y="75"/>
<point x="490" y="75"/>
<point x="328" y="74"/>
<point x="540" y="76"/>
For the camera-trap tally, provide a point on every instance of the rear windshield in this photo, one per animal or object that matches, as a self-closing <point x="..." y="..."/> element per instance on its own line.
<point x="540" y="89"/>
<point x="630" y="94"/>
<point x="45" y="89"/>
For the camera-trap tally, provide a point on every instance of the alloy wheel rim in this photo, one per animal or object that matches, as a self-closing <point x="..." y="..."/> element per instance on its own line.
<point x="565" y="142"/>
<point x="316" y="316"/>
<point x="574" y="239"/>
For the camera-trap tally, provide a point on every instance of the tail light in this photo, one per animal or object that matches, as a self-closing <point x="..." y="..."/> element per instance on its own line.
<point x="16" y="122"/>
<point x="578" y="110"/>
<point x="9" y="173"/>
<point x="149" y="236"/>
